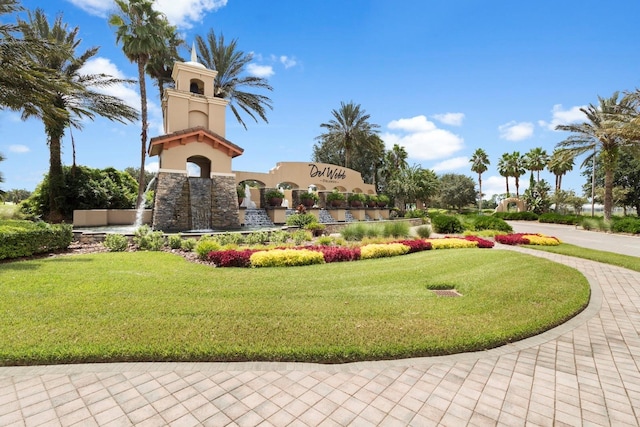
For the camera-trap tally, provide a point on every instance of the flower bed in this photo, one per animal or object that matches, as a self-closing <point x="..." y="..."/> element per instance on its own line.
<point x="527" y="239"/>
<point x="452" y="243"/>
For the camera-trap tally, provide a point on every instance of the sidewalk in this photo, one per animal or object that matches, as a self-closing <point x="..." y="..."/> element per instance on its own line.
<point x="584" y="372"/>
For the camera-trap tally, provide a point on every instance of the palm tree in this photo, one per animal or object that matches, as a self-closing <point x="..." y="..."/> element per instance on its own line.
<point x="515" y="165"/>
<point x="601" y="132"/>
<point x="535" y="160"/>
<point x="349" y="129"/>
<point x="139" y="29"/>
<point x="479" y="162"/>
<point x="503" y="169"/>
<point x="160" y="65"/>
<point x="559" y="164"/>
<point x="2" y="193"/>
<point x="230" y="63"/>
<point x="78" y="97"/>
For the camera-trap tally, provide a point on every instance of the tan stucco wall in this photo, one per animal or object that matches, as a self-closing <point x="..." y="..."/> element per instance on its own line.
<point x="184" y="110"/>
<point x="301" y="175"/>
<point x="175" y="158"/>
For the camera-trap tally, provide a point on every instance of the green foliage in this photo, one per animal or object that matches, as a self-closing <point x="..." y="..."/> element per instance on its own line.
<point x="188" y="245"/>
<point x="595" y="223"/>
<point x="278" y="236"/>
<point x="116" y="242"/>
<point x="325" y="240"/>
<point x="625" y="225"/>
<point x="356" y="197"/>
<point x="175" y="241"/>
<point x="383" y="200"/>
<point x="457" y="191"/>
<point x="424" y="231"/>
<point x="395" y="229"/>
<point x="273" y="194"/>
<point x="257" y="238"/>
<point x="335" y="196"/>
<point x="229" y="238"/>
<point x="300" y="236"/>
<point x="309" y="196"/>
<point x="416" y="213"/>
<point x="205" y="245"/>
<point x="85" y="188"/>
<point x="148" y="240"/>
<point x="554" y="218"/>
<point x="286" y="258"/>
<point x="446" y="224"/>
<point x="301" y="219"/>
<point x="517" y="216"/>
<point x="20" y="238"/>
<point x="383" y="250"/>
<point x="484" y="222"/>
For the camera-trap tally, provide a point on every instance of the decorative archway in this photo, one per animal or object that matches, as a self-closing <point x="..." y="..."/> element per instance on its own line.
<point x="521" y="206"/>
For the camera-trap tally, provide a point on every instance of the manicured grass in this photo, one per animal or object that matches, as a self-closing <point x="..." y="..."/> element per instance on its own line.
<point x="626" y="261"/>
<point x="155" y="306"/>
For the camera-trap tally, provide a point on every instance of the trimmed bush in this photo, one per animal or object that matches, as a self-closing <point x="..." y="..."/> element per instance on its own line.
<point x="25" y="238"/>
<point x="175" y="241"/>
<point x="231" y="258"/>
<point x="542" y="240"/>
<point x="416" y="245"/>
<point x="452" y="243"/>
<point x="205" y="245"/>
<point x="554" y="218"/>
<point x="337" y="253"/>
<point x="383" y="250"/>
<point x="445" y="224"/>
<point x="517" y="216"/>
<point x="116" y="242"/>
<point x="286" y="258"/>
<point x="483" y="222"/>
<point x="300" y="220"/>
<point x="424" y="231"/>
<point x="512" y="239"/>
<point x="482" y="243"/>
<point x="188" y="245"/>
<point x="625" y="225"/>
<point x="147" y="240"/>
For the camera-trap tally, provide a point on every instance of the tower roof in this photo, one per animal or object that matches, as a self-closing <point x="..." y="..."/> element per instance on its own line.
<point x="194" y="134"/>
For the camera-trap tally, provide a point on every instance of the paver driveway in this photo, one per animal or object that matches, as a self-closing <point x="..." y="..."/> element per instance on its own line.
<point x="585" y="372"/>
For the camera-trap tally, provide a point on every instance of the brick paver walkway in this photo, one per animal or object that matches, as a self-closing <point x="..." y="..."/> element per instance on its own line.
<point x="585" y="372"/>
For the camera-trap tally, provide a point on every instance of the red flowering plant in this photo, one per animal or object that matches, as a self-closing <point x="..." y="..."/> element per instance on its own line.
<point x="512" y="239"/>
<point x="337" y="253"/>
<point x="482" y="243"/>
<point x="231" y="257"/>
<point x="416" y="245"/>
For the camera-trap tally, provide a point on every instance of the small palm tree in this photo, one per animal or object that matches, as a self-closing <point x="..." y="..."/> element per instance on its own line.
<point x="503" y="169"/>
<point x="140" y="30"/>
<point x="77" y="98"/>
<point x="535" y="160"/>
<point x="515" y="165"/>
<point x="559" y="164"/>
<point x="349" y="128"/>
<point x="230" y="63"/>
<point x="602" y="132"/>
<point x="479" y="164"/>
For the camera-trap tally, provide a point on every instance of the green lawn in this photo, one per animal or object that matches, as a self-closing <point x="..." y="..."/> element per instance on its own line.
<point x="626" y="261"/>
<point x="155" y="306"/>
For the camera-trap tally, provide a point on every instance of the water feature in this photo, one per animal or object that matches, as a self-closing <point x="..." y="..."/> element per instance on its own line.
<point x="200" y="203"/>
<point x="140" y="210"/>
<point x="247" y="202"/>
<point x="256" y="218"/>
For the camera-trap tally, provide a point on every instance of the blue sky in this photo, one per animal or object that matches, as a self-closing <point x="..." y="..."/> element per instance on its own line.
<point x="440" y="77"/>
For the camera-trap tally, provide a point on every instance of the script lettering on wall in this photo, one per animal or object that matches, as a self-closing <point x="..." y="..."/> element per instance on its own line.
<point x="327" y="173"/>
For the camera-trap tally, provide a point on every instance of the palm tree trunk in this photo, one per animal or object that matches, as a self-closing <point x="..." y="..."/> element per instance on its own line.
<point x="517" y="187"/>
<point x="143" y="134"/>
<point x="608" y="194"/>
<point x="506" y="179"/>
<point x="480" y="195"/>
<point x="56" y="178"/>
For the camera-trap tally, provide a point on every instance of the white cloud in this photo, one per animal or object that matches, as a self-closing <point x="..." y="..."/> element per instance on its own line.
<point x="127" y="93"/>
<point x="513" y="131"/>
<point x="95" y="7"/>
<point x="181" y="13"/>
<point x="288" y="62"/>
<point x="152" y="167"/>
<point x="422" y="139"/>
<point x="260" y="70"/>
<point x="452" y="119"/>
<point x="19" y="148"/>
<point x="451" y="164"/>
<point x="496" y="184"/>
<point x="563" y="117"/>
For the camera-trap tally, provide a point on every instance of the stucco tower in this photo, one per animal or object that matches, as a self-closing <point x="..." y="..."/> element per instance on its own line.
<point x="194" y="122"/>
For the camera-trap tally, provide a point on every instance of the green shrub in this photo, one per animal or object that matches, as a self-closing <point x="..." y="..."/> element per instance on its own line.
<point x="517" y="216"/>
<point x="625" y="225"/>
<point x="300" y="236"/>
<point x="554" y="218"/>
<point x="175" y="241"/>
<point x="596" y="223"/>
<point x="205" y="245"/>
<point x="115" y="242"/>
<point x="424" y="231"/>
<point x="278" y="236"/>
<point x="415" y="213"/>
<point x="325" y="240"/>
<point x="20" y="238"/>
<point x="301" y="220"/>
<point x="188" y="245"/>
<point x="229" y="238"/>
<point x="354" y="232"/>
<point x="286" y="258"/>
<point x="483" y="222"/>
<point x="257" y="238"/>
<point x="147" y="240"/>
<point x="446" y="224"/>
<point x="396" y="229"/>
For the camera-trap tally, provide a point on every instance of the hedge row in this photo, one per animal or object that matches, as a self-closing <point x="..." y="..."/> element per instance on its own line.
<point x="24" y="238"/>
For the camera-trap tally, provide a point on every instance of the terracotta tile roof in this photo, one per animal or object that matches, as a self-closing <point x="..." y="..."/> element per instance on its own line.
<point x="194" y="134"/>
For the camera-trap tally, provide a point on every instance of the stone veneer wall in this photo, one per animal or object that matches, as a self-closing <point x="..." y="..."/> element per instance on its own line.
<point x="171" y="205"/>
<point x="172" y="209"/>
<point x="224" y="202"/>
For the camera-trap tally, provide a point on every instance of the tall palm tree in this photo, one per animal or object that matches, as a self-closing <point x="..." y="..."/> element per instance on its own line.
<point x="535" y="160"/>
<point x="349" y="128"/>
<point x="559" y="164"/>
<point x="160" y="65"/>
<point x="503" y="169"/>
<point x="601" y="132"/>
<point x="230" y="63"/>
<point x="2" y="193"/>
<point x="77" y="99"/>
<point x="479" y="164"/>
<point x="139" y="29"/>
<point x="515" y="165"/>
